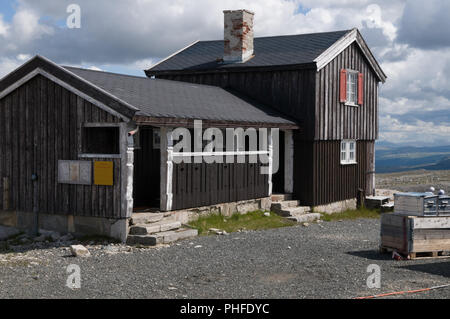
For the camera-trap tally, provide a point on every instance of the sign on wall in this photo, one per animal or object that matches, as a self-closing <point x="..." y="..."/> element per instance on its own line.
<point x="104" y="173"/>
<point x="75" y="172"/>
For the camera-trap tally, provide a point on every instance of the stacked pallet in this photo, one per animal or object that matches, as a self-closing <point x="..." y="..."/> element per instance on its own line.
<point x="415" y="236"/>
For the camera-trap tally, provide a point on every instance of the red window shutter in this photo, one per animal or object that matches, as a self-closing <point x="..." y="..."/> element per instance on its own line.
<point x="360" y="89"/>
<point x="343" y="86"/>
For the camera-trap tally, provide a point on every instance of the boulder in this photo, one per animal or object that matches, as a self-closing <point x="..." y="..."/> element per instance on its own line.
<point x="80" y="251"/>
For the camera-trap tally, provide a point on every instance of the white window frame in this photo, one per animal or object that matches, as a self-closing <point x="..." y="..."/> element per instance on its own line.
<point x="347" y="154"/>
<point x="352" y="79"/>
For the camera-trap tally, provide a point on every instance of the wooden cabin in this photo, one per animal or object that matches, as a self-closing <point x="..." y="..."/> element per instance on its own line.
<point x="81" y="150"/>
<point x="327" y="82"/>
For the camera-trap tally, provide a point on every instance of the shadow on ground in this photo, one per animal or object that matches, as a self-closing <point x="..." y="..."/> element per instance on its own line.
<point x="370" y="254"/>
<point x="438" y="268"/>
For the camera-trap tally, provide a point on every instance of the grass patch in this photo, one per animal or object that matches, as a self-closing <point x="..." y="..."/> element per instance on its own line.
<point x="362" y="213"/>
<point x="251" y="221"/>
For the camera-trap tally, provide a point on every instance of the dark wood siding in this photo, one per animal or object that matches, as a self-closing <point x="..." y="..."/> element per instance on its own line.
<point x="321" y="179"/>
<point x="289" y="92"/>
<point x="336" y="121"/>
<point x="312" y="98"/>
<point x="40" y="124"/>
<point x="196" y="185"/>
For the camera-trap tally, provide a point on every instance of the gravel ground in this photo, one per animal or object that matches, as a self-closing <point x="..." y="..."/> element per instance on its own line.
<point x="327" y="260"/>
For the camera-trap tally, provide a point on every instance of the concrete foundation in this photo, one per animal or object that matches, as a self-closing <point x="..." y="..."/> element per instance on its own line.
<point x="336" y="207"/>
<point x="76" y="225"/>
<point x="226" y="209"/>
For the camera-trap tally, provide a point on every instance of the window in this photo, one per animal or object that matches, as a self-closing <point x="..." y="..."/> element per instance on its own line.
<point x="348" y="152"/>
<point x="101" y="140"/>
<point x="352" y="87"/>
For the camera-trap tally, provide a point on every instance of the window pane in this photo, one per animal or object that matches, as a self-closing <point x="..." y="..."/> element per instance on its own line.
<point x="352" y="156"/>
<point x="352" y="87"/>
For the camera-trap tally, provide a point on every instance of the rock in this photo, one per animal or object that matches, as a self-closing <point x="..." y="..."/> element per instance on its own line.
<point x="66" y="238"/>
<point x="80" y="251"/>
<point x="218" y="231"/>
<point x="6" y="232"/>
<point x="267" y="214"/>
<point x="40" y="239"/>
<point x="305" y="224"/>
<point x="3" y="245"/>
<point x="25" y="241"/>
<point x="55" y="236"/>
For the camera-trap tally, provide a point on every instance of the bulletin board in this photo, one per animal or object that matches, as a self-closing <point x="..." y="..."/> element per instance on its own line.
<point x="103" y="173"/>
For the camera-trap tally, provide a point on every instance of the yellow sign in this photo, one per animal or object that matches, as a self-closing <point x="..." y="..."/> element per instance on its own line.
<point x="104" y="173"/>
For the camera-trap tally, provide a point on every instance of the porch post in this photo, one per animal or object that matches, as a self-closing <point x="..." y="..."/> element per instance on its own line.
<point x="288" y="162"/>
<point x="127" y="168"/>
<point x="270" y="147"/>
<point x="166" y="169"/>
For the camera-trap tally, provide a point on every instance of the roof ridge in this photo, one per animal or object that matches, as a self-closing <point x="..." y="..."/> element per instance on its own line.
<point x="286" y="35"/>
<point x="146" y="78"/>
<point x="107" y="72"/>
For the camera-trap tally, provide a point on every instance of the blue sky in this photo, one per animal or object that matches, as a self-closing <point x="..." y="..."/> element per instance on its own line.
<point x="7" y="9"/>
<point x="409" y="38"/>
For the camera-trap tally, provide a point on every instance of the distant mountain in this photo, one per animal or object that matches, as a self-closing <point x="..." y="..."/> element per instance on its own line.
<point x="394" y="158"/>
<point x="440" y="166"/>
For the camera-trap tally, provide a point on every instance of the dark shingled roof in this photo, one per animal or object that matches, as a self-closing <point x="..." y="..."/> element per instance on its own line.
<point x="172" y="99"/>
<point x="269" y="51"/>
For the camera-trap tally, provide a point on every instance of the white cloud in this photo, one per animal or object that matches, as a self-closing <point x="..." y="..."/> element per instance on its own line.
<point x="134" y="34"/>
<point x="7" y="65"/>
<point x="94" y="68"/>
<point x="417" y="133"/>
<point x="3" y="27"/>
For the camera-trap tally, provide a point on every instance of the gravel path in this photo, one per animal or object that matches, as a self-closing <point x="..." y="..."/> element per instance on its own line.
<point x="327" y="260"/>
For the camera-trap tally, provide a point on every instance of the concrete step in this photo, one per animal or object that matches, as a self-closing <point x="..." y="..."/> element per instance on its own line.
<point x="291" y="211"/>
<point x="146" y="218"/>
<point x="162" y="238"/>
<point x="161" y="226"/>
<point x="285" y="204"/>
<point x="305" y="218"/>
<point x="281" y="197"/>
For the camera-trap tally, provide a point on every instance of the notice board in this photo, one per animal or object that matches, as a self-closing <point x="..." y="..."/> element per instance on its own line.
<point x="103" y="173"/>
<point x="74" y="172"/>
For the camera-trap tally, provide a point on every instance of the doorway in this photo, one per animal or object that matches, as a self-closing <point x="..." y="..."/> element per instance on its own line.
<point x="147" y="163"/>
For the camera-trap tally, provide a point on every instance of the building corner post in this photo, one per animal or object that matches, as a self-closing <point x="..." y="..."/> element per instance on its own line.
<point x="270" y="147"/>
<point x="127" y="169"/>
<point x="289" y="162"/>
<point x="166" y="169"/>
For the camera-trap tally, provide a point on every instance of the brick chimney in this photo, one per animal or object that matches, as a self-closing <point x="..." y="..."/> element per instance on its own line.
<point x="238" y="35"/>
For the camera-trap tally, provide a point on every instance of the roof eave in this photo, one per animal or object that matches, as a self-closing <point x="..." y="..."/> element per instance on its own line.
<point x="339" y="46"/>
<point x="185" y="122"/>
<point x="243" y="68"/>
<point x="49" y="69"/>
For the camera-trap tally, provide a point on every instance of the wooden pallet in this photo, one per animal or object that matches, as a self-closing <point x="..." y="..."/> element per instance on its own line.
<point x="416" y="237"/>
<point x="417" y="256"/>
